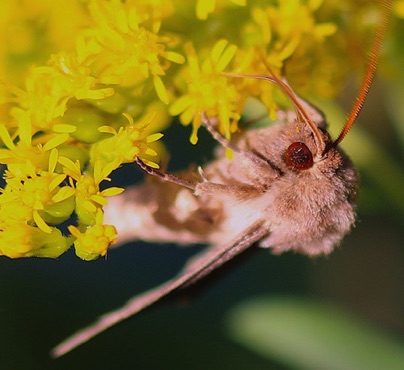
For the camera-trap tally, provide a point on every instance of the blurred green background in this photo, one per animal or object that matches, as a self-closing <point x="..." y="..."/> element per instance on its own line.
<point x="345" y="311"/>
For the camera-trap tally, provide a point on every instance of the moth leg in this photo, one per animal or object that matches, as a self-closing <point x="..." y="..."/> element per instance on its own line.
<point x="202" y="174"/>
<point x="164" y="176"/>
<point x="211" y="188"/>
<point x="201" y="266"/>
<point x="237" y="191"/>
<point x="215" y="134"/>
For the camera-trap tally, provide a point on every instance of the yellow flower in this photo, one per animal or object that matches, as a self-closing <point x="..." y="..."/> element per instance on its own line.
<point x="95" y="240"/>
<point x="31" y="30"/>
<point x="207" y="91"/>
<point x="271" y="36"/>
<point x="125" y="144"/>
<point x="399" y="8"/>
<point x="289" y="31"/>
<point x="39" y="192"/>
<point x="26" y="157"/>
<point x="74" y="78"/>
<point x="31" y="201"/>
<point x="88" y="197"/>
<point x="205" y="7"/>
<point x="154" y="11"/>
<point x="49" y="89"/>
<point x="129" y="52"/>
<point x="81" y="82"/>
<point x="19" y="239"/>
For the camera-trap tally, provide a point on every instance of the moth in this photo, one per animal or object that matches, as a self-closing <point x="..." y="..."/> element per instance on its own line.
<point x="288" y="187"/>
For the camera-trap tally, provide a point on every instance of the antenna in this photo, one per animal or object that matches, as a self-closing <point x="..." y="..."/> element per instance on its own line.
<point x="373" y="59"/>
<point x="320" y="144"/>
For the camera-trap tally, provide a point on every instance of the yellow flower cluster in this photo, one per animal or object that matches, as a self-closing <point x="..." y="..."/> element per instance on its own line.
<point x="86" y="87"/>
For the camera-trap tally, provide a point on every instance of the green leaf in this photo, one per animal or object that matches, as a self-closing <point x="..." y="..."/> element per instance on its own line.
<point x="306" y="334"/>
<point x="393" y="92"/>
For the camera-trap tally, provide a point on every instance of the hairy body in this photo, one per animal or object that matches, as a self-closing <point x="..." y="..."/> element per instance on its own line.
<point x="304" y="211"/>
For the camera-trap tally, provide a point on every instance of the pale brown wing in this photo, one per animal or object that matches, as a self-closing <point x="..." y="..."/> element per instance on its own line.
<point x="200" y="267"/>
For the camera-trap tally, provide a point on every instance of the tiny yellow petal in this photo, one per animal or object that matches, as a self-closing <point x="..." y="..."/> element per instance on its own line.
<point x="290" y="47"/>
<point x="150" y="163"/>
<point x="154" y="137"/>
<point x="160" y="89"/>
<point x="110" y="192"/>
<point x="6" y="138"/>
<point x="99" y="199"/>
<point x="150" y="152"/>
<point x="57" y="181"/>
<point x="25" y="129"/>
<point x="226" y="57"/>
<point x="63" y="193"/>
<point x="108" y="169"/>
<point x="74" y="168"/>
<point x="64" y="128"/>
<point x="180" y="105"/>
<point x="218" y="49"/>
<point x="204" y="7"/>
<point x="146" y="119"/>
<point x="107" y="130"/>
<point x="74" y="231"/>
<point x="174" y="57"/>
<point x="56" y="141"/>
<point x="187" y="116"/>
<point x="325" y="29"/>
<point x="4" y="154"/>
<point x="41" y="223"/>
<point x="89" y="206"/>
<point x="53" y="160"/>
<point x="129" y="118"/>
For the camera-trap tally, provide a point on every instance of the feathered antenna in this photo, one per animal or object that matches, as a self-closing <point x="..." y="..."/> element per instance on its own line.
<point x="320" y="144"/>
<point x="373" y="59"/>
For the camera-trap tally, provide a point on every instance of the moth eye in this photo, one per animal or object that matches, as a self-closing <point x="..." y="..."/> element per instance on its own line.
<point x="298" y="156"/>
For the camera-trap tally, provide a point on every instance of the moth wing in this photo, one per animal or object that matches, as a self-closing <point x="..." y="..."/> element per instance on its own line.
<point x="201" y="266"/>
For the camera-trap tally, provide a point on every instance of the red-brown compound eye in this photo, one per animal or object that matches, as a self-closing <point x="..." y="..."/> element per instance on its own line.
<point x="298" y="156"/>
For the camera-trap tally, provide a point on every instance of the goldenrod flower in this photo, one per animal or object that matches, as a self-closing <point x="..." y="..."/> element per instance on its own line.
<point x="126" y="144"/>
<point x="205" y="7"/>
<point x="86" y="87"/>
<point x="95" y="240"/>
<point x="207" y="91"/>
<point x="30" y="202"/>
<point x="399" y="8"/>
<point x="85" y="187"/>
<point x="34" y="188"/>
<point x="20" y="239"/>
<point x="31" y="30"/>
<point x="127" y="51"/>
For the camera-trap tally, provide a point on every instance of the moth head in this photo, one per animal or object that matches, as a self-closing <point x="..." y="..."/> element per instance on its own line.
<point x="298" y="155"/>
